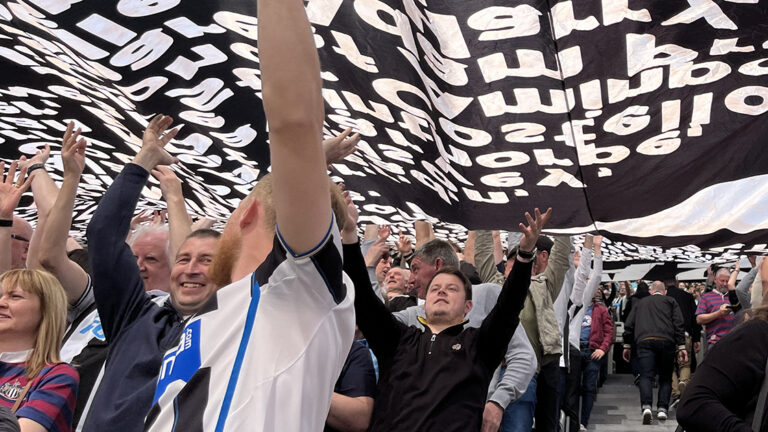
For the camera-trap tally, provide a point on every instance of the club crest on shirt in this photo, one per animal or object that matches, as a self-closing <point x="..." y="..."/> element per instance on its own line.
<point x="456" y="347"/>
<point x="10" y="391"/>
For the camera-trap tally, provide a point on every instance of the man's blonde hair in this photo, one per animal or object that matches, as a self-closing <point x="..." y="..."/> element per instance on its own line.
<point x="53" y="315"/>
<point x="263" y="191"/>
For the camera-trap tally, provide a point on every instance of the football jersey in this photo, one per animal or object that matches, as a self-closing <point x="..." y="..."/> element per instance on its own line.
<point x="265" y="352"/>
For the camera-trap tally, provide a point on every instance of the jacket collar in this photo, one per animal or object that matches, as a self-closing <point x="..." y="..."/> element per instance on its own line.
<point x="453" y="329"/>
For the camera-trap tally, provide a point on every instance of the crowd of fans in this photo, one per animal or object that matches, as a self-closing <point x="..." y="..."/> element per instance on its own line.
<point x="287" y="321"/>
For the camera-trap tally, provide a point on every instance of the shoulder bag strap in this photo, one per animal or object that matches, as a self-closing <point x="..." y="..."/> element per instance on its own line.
<point x="23" y="394"/>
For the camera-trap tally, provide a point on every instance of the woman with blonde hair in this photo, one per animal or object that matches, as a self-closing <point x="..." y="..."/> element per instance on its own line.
<point x="34" y="384"/>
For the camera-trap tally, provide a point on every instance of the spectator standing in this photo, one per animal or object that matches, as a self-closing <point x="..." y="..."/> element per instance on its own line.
<point x="715" y="310"/>
<point x="682" y="373"/>
<point x="723" y="394"/>
<point x="595" y="339"/>
<point x="656" y="326"/>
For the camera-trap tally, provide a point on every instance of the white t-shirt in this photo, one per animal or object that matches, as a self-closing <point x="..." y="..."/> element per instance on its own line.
<point x="267" y="361"/>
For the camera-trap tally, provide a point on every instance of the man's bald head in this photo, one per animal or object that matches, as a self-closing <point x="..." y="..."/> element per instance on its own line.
<point x="21" y="234"/>
<point x="658" y="287"/>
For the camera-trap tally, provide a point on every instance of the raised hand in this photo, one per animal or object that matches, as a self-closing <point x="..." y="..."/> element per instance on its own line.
<point x="10" y="190"/>
<point x="143" y="216"/>
<point x="532" y="231"/>
<point x="170" y="184"/>
<point x="41" y="157"/>
<point x="159" y="217"/>
<point x="203" y="223"/>
<point x="340" y="146"/>
<point x="404" y="244"/>
<point x="73" y="152"/>
<point x="156" y="136"/>
<point x="384" y="232"/>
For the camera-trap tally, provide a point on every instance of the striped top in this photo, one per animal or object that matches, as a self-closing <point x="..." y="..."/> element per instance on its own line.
<point x="51" y="398"/>
<point x="708" y="303"/>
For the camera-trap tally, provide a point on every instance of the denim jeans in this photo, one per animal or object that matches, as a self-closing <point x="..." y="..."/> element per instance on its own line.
<point x="518" y="417"/>
<point x="655" y="356"/>
<point x="590" y="373"/>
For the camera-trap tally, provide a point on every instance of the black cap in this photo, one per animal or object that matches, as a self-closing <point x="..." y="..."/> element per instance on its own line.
<point x="544" y="243"/>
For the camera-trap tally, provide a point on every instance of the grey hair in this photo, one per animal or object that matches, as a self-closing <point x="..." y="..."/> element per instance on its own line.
<point x="724" y="271"/>
<point x="144" y="230"/>
<point x="434" y="249"/>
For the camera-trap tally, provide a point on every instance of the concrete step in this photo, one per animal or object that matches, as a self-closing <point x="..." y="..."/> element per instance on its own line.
<point x="617" y="409"/>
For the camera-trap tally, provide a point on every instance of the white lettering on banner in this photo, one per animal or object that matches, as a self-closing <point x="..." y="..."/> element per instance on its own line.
<point x="702" y="107"/>
<point x="498" y="22"/>
<point x="187" y="68"/>
<point x="755" y="68"/>
<point x="243" y="25"/>
<point x="150" y="47"/>
<point x="629" y="121"/>
<point x="211" y="94"/>
<point x="445" y="28"/>
<point x="736" y="100"/>
<point x="725" y="46"/>
<point x="107" y="29"/>
<point x="148" y="86"/>
<point x="615" y="11"/>
<point x="189" y="29"/>
<point x="523" y="132"/>
<point x="661" y="144"/>
<point x="707" y="9"/>
<point x="565" y="22"/>
<point x="528" y="101"/>
<point x="494" y="67"/>
<point x="450" y="71"/>
<point x="557" y="176"/>
<point x="370" y="11"/>
<point x="141" y="8"/>
<point x="348" y="48"/>
<point x="546" y="157"/>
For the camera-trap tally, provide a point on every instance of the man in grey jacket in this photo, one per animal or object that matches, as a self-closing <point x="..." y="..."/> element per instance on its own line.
<point x="520" y="357"/>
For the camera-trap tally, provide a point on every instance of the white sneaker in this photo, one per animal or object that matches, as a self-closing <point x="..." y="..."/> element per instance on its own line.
<point x="661" y="415"/>
<point x="647" y="416"/>
<point x="582" y="428"/>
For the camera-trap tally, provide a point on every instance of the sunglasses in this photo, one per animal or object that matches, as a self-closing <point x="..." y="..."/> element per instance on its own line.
<point x="19" y="238"/>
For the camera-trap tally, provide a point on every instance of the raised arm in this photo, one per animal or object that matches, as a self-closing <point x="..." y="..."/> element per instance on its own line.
<point x="380" y="328"/>
<point x="44" y="191"/>
<point x="500" y="324"/>
<point x="558" y="265"/>
<point x="742" y="288"/>
<point x="764" y="274"/>
<point x="179" y="222"/>
<point x="117" y="284"/>
<point x="293" y="104"/>
<point x="10" y="194"/>
<point x="595" y="276"/>
<point x="582" y="272"/>
<point x="484" y="258"/>
<point x="53" y="242"/>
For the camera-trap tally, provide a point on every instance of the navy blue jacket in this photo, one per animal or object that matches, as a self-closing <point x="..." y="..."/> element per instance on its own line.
<point x="138" y="330"/>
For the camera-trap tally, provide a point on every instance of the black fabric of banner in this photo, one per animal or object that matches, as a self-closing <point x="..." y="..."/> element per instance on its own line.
<point x="643" y="119"/>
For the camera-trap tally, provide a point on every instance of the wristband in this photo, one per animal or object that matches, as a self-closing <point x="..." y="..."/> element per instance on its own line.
<point x="526" y="255"/>
<point x="35" y="167"/>
<point x="6" y="223"/>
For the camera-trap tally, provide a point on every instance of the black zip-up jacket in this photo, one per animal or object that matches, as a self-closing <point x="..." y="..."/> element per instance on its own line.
<point x="655" y="316"/>
<point x="434" y="382"/>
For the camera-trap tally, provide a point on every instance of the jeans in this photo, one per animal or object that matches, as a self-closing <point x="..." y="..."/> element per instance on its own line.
<point x="655" y="356"/>
<point x="590" y="373"/>
<point x="547" y="398"/>
<point x="518" y="417"/>
<point x="571" y="383"/>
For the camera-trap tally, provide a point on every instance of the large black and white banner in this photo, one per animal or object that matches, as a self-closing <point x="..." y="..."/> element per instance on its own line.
<point x="643" y="119"/>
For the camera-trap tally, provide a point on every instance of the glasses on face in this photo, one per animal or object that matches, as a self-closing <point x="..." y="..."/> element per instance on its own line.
<point x="19" y="238"/>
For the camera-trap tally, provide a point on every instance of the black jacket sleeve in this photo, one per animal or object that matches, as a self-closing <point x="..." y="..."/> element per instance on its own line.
<point x="379" y="326"/>
<point x="723" y="393"/>
<point x="500" y="324"/>
<point x="117" y="285"/>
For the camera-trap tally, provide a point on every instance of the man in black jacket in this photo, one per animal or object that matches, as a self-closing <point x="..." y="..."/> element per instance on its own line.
<point x="437" y="379"/>
<point x="687" y="304"/>
<point x="656" y="326"/>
